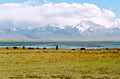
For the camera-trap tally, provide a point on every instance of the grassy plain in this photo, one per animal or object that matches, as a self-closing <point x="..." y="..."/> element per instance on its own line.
<point x="59" y="64"/>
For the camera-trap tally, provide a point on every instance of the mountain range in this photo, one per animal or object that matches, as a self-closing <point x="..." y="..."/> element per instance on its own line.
<point x="85" y="30"/>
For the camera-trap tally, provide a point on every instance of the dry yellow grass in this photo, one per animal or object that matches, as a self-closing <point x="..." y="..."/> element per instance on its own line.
<point x="59" y="64"/>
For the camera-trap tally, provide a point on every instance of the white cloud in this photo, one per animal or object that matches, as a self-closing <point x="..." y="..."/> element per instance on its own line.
<point x="61" y="14"/>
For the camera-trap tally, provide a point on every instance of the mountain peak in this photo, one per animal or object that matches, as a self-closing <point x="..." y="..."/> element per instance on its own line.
<point x="85" y="25"/>
<point x="84" y="30"/>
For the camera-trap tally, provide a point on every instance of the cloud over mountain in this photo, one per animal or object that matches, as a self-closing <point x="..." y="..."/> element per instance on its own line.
<point x="60" y="14"/>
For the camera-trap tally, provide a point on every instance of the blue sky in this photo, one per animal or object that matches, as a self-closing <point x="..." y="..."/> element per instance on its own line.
<point x="107" y="4"/>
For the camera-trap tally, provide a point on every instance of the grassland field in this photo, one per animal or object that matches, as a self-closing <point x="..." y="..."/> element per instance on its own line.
<point x="59" y="64"/>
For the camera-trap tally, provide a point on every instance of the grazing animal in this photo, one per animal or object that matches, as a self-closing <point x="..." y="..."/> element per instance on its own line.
<point x="82" y="48"/>
<point x="7" y="48"/>
<point x="72" y="49"/>
<point x="44" y="48"/>
<point x="106" y="48"/>
<point x="30" y="48"/>
<point x="15" y="47"/>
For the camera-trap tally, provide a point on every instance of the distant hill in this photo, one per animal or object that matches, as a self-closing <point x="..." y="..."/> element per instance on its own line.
<point x="85" y="30"/>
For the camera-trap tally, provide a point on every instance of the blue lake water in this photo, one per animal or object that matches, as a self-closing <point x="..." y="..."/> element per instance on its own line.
<point x="63" y="44"/>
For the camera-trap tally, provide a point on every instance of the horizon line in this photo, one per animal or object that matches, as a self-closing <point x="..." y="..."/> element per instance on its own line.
<point x="59" y="40"/>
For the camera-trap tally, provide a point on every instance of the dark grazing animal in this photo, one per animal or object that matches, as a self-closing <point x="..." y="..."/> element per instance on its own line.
<point x="30" y="48"/>
<point x="44" y="48"/>
<point x="82" y="48"/>
<point x="15" y="47"/>
<point x="7" y="48"/>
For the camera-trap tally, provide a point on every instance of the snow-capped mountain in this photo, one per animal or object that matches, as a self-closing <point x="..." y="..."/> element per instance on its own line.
<point x="85" y="30"/>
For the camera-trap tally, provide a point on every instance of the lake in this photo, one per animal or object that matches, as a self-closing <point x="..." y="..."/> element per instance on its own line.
<point x="89" y="45"/>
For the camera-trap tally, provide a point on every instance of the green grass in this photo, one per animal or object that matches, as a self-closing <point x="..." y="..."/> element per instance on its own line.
<point x="59" y="64"/>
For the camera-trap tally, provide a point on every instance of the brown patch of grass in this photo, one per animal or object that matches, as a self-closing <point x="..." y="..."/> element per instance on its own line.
<point x="61" y="77"/>
<point x="33" y="77"/>
<point x="17" y="77"/>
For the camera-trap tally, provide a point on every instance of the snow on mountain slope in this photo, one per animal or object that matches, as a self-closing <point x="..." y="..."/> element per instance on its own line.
<point x="85" y="30"/>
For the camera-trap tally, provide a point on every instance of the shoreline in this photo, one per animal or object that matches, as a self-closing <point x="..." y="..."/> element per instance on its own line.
<point x="51" y="48"/>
